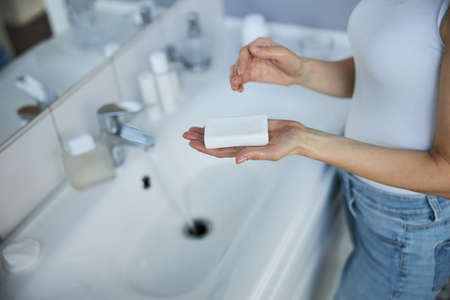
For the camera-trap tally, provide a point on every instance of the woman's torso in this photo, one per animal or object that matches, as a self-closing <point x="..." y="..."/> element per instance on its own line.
<point x="397" y="51"/>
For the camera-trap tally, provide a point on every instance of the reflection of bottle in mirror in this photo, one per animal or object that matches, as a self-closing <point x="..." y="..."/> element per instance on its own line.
<point x="196" y="48"/>
<point x="83" y="18"/>
<point x="166" y="80"/>
<point x="145" y="14"/>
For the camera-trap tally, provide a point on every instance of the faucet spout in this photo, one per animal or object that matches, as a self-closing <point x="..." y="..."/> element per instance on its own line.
<point x="135" y="136"/>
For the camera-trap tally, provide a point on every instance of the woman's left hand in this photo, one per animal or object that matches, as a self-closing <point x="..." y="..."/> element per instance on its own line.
<point x="284" y="139"/>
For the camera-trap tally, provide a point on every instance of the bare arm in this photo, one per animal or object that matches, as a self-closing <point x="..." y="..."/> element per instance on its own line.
<point x="334" y="78"/>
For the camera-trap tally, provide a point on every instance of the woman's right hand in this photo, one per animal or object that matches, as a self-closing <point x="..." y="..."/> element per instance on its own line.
<point x="265" y="61"/>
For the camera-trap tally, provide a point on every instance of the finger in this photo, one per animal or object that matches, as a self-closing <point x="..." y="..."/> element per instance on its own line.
<point x="194" y="133"/>
<point x="243" y="60"/>
<point x="257" y="153"/>
<point x="275" y="124"/>
<point x="235" y="79"/>
<point x="198" y="145"/>
<point x="220" y="153"/>
<point x="249" y="76"/>
<point x="245" y="54"/>
<point x="235" y="83"/>
<point x="191" y="135"/>
<point x="197" y="129"/>
<point x="263" y="42"/>
<point x="232" y="72"/>
<point x="257" y="71"/>
<point x="270" y="52"/>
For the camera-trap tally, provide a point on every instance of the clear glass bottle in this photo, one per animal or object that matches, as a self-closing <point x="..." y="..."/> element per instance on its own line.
<point x="87" y="163"/>
<point x="196" y="47"/>
<point x="83" y="19"/>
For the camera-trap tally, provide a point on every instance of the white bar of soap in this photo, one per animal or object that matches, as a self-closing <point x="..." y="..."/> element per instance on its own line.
<point x="236" y="132"/>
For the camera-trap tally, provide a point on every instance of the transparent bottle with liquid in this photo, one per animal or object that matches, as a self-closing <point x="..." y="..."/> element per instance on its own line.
<point x="83" y="19"/>
<point x="86" y="162"/>
<point x="196" y="46"/>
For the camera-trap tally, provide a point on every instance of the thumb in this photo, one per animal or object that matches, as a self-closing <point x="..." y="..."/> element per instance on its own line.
<point x="256" y="153"/>
<point x="268" y="52"/>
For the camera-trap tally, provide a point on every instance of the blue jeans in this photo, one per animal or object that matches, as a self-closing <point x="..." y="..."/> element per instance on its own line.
<point x="402" y="244"/>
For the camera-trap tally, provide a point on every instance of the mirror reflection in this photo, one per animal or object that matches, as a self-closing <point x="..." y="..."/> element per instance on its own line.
<point x="46" y="46"/>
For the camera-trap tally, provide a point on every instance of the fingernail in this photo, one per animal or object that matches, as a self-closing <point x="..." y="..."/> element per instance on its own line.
<point x="256" y="49"/>
<point x="239" y="70"/>
<point x="241" y="160"/>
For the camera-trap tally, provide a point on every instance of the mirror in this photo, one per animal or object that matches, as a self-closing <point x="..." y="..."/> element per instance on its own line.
<point x="46" y="46"/>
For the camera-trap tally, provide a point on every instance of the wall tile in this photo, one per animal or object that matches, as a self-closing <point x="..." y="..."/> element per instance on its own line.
<point x="77" y="113"/>
<point x="30" y="169"/>
<point x="301" y="12"/>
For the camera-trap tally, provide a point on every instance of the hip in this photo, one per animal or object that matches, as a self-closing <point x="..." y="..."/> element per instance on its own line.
<point x="401" y="241"/>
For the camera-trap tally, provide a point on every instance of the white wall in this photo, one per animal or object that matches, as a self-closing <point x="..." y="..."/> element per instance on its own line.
<point x="331" y="14"/>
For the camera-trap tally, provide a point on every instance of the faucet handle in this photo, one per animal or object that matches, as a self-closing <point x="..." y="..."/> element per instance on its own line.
<point x="108" y="114"/>
<point x="120" y="108"/>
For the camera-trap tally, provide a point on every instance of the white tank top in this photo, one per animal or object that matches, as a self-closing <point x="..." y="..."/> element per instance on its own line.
<point x="397" y="50"/>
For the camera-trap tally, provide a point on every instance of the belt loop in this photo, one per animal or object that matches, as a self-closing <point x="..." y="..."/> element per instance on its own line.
<point x="433" y="202"/>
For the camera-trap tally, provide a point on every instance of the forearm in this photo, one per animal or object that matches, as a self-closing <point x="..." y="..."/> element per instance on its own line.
<point x="421" y="171"/>
<point x="332" y="78"/>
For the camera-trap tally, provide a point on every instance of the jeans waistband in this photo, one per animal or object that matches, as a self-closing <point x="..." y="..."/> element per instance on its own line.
<point x="403" y="204"/>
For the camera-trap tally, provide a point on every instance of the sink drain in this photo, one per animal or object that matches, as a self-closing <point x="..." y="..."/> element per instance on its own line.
<point x="201" y="228"/>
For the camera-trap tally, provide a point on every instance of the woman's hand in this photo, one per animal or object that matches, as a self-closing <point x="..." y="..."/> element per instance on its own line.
<point x="284" y="139"/>
<point x="265" y="61"/>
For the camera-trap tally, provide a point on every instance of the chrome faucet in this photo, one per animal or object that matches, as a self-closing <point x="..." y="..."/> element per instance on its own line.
<point x="111" y="120"/>
<point x="41" y="93"/>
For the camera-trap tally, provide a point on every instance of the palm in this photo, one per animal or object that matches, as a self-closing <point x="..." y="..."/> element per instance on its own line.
<point x="283" y="141"/>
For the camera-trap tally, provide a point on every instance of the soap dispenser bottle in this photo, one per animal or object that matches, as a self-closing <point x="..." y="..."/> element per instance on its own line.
<point x="166" y="80"/>
<point x="196" y="48"/>
<point x="87" y="162"/>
